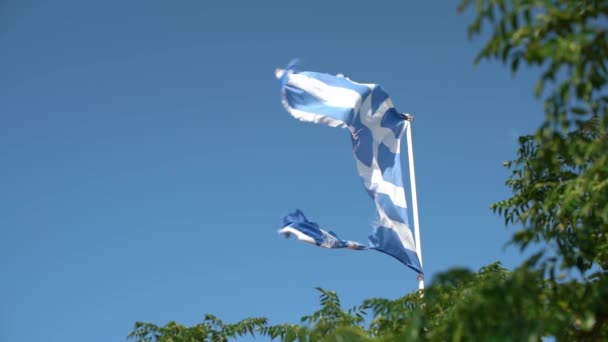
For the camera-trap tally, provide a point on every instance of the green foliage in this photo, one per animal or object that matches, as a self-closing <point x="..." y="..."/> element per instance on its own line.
<point x="211" y="329"/>
<point x="491" y="304"/>
<point x="559" y="202"/>
<point x="560" y="178"/>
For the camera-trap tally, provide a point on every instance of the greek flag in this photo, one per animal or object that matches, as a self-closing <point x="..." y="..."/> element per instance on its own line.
<point x="375" y="128"/>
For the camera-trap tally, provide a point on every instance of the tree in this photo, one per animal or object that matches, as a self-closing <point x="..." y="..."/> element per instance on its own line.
<point x="560" y="178"/>
<point x="559" y="201"/>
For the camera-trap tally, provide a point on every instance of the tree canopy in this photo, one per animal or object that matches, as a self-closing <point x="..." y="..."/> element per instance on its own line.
<point x="559" y="202"/>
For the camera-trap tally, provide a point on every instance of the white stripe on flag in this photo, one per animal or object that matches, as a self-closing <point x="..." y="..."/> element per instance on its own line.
<point x="402" y="229"/>
<point x="298" y="234"/>
<point x="372" y="178"/>
<point x="330" y="95"/>
<point x="313" y="117"/>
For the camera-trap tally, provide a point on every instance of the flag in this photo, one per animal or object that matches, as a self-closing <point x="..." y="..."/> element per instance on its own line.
<point x="375" y="128"/>
<point x="298" y="225"/>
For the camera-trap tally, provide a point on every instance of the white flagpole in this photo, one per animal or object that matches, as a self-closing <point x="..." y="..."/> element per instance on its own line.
<point x="410" y="155"/>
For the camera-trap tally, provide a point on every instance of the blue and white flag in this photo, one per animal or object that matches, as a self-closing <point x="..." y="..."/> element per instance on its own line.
<point x="297" y="224"/>
<point x="375" y="128"/>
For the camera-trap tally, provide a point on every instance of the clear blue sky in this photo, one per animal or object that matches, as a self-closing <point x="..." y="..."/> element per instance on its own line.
<point x="146" y="160"/>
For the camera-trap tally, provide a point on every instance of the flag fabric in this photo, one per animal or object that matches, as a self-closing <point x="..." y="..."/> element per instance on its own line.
<point x="298" y="225"/>
<point x="375" y="128"/>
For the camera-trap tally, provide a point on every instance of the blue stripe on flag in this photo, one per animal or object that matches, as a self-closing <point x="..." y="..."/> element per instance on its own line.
<point x="362" y="139"/>
<point x="392" y="211"/>
<point x="393" y="120"/>
<point x="388" y="163"/>
<point x="378" y="97"/>
<point x="387" y="241"/>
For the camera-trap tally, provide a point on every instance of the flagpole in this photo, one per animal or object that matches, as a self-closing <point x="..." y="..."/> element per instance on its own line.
<point x="410" y="155"/>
